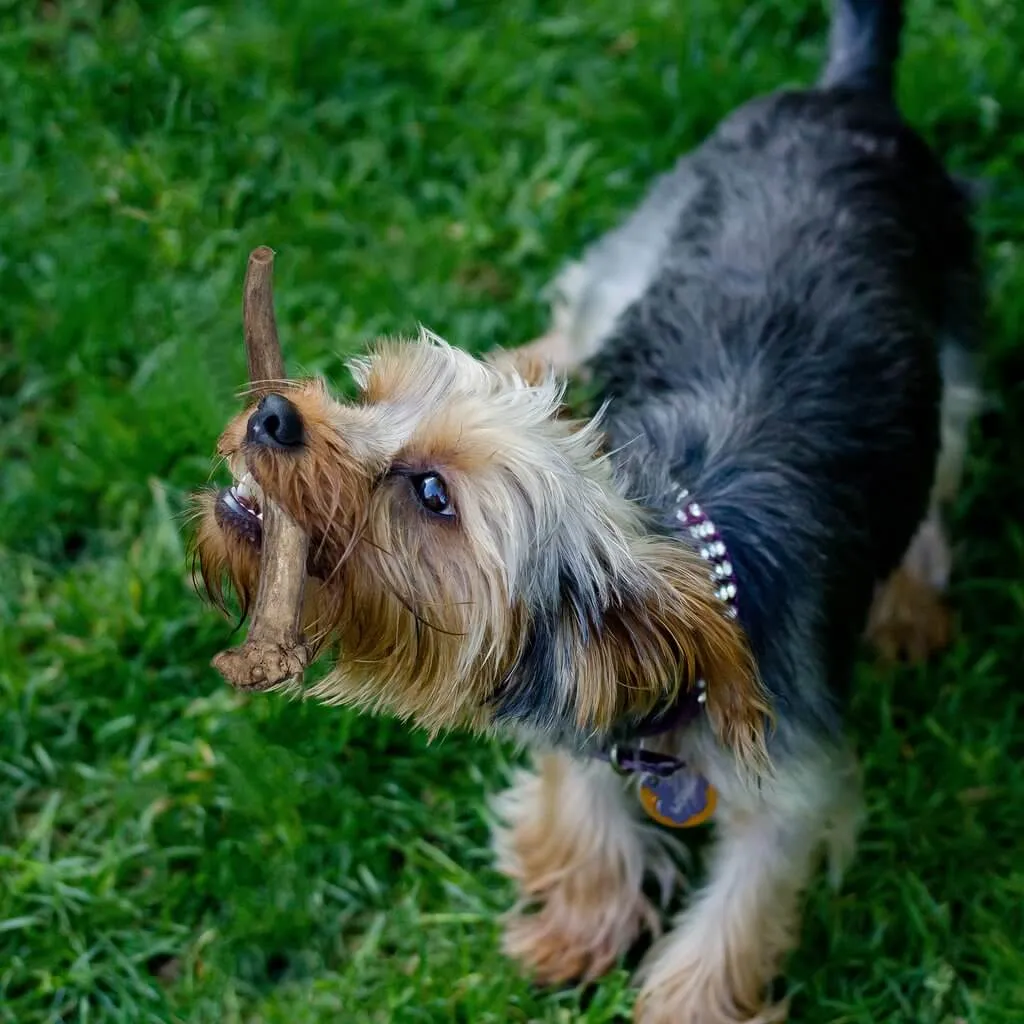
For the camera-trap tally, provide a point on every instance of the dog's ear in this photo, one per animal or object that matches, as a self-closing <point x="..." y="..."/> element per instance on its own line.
<point x="592" y="667"/>
<point x="668" y="632"/>
<point x="674" y="632"/>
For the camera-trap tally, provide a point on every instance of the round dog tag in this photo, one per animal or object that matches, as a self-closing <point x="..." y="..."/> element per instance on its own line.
<point x="683" y="800"/>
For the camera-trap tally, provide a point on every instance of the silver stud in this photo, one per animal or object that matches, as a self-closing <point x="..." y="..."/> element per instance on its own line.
<point x="702" y="698"/>
<point x="705" y="553"/>
<point x="694" y="509"/>
<point x="726" y="568"/>
<point x="719" y="548"/>
<point x="730" y="589"/>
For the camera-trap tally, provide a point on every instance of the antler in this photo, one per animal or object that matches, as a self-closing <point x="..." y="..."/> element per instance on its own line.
<point x="274" y="650"/>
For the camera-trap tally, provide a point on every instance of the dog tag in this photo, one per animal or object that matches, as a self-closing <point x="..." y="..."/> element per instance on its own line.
<point x="683" y="800"/>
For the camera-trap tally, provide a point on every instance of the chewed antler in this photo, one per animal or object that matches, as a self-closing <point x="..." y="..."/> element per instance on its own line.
<point x="274" y="650"/>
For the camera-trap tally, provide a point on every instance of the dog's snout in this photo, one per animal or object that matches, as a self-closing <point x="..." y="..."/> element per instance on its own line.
<point x="276" y="423"/>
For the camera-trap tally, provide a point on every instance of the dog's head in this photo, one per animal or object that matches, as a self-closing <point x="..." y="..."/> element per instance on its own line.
<point x="473" y="562"/>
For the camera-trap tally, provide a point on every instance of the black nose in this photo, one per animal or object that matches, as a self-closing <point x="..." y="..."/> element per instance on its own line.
<point x="276" y="423"/>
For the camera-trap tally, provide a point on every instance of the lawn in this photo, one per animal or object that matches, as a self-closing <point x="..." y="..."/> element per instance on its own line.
<point x="172" y="851"/>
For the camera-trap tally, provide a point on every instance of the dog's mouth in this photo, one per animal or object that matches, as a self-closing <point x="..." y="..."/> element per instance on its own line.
<point x="239" y="509"/>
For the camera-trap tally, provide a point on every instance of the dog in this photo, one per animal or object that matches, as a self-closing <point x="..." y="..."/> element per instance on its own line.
<point x="664" y="600"/>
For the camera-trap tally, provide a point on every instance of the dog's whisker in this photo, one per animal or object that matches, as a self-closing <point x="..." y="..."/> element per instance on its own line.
<point x="257" y="387"/>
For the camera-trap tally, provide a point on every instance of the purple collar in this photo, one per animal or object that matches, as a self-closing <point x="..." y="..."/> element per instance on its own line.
<point x="627" y="759"/>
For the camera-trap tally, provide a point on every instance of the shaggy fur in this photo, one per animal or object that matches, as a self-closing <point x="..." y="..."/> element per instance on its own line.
<point x="546" y="604"/>
<point x="785" y="327"/>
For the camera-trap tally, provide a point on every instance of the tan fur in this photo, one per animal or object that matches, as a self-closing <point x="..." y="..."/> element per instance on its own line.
<point x="683" y="632"/>
<point x="428" y="618"/>
<point x="570" y="842"/>
<point x="909" y="619"/>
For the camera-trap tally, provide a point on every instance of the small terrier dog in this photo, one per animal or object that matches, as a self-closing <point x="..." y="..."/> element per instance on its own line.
<point x="665" y="601"/>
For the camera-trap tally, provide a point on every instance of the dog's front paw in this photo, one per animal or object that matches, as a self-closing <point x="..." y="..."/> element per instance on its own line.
<point x="578" y="858"/>
<point x="909" y="619"/>
<point x="696" y="996"/>
<point x="578" y="932"/>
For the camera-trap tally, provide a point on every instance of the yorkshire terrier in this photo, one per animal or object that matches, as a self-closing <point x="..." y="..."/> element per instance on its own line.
<point x="666" y="600"/>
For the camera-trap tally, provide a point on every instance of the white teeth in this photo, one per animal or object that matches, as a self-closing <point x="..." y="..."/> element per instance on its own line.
<point x="247" y="488"/>
<point x="246" y="496"/>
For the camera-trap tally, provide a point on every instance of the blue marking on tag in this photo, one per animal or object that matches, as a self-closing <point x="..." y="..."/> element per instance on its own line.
<point x="682" y="800"/>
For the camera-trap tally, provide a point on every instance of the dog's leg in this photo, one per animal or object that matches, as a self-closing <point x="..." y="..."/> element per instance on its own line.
<point x="554" y="349"/>
<point x="579" y="857"/>
<point x="565" y="345"/>
<point x="591" y="293"/>
<point x="716" y="966"/>
<point x="909" y="619"/>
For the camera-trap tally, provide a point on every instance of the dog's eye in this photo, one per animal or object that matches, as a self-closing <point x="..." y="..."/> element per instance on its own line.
<point x="433" y="494"/>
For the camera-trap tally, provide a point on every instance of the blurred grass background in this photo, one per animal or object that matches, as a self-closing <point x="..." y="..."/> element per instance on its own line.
<point x="171" y="851"/>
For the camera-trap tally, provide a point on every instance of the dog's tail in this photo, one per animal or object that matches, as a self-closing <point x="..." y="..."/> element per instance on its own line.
<point x="864" y="45"/>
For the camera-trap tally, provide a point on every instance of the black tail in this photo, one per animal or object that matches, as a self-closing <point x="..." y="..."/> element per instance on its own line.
<point x="864" y="45"/>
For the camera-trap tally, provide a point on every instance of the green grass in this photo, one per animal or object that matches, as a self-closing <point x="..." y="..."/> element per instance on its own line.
<point x="170" y="851"/>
